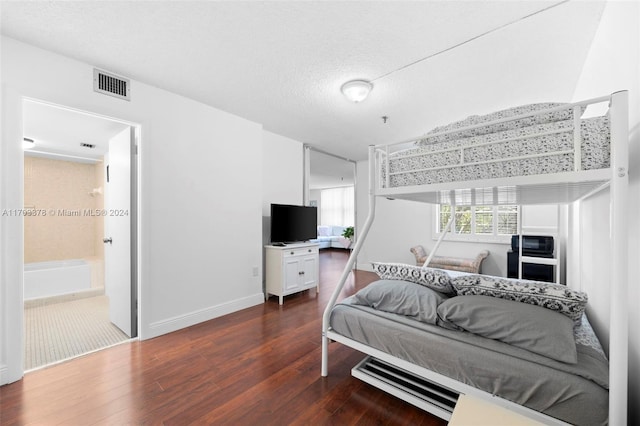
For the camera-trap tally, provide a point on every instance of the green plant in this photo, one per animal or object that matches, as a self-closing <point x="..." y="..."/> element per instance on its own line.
<point x="348" y="232"/>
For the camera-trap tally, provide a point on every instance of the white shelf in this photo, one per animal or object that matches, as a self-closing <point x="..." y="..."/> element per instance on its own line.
<point x="539" y="260"/>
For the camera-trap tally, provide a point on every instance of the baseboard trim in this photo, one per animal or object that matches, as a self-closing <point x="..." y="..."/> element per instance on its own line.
<point x="4" y="370"/>
<point x="169" y="325"/>
<point x="365" y="266"/>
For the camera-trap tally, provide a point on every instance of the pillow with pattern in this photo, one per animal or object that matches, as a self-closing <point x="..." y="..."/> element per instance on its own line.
<point x="435" y="279"/>
<point x="556" y="297"/>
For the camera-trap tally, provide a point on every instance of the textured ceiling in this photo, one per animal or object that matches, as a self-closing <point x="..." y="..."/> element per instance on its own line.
<point x="327" y="171"/>
<point x="281" y="64"/>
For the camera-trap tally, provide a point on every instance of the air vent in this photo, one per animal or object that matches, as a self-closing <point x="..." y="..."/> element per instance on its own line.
<point x="87" y="145"/>
<point x="111" y="84"/>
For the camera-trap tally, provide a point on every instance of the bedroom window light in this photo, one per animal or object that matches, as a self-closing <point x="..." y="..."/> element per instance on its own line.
<point x="478" y="223"/>
<point x="337" y="206"/>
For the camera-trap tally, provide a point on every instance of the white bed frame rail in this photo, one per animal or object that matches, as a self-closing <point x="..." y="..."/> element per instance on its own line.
<point x="576" y="149"/>
<point x="616" y="177"/>
<point x="619" y="319"/>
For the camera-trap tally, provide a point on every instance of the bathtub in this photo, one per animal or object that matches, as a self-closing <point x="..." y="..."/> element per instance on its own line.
<point x="46" y="279"/>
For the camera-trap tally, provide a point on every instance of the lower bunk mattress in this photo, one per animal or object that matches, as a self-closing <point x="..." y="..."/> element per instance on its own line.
<point x="574" y="393"/>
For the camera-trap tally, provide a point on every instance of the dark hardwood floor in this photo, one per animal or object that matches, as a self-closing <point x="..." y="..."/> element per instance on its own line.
<point x="259" y="366"/>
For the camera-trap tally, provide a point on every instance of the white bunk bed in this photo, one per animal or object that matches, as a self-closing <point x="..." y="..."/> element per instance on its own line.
<point x="411" y="170"/>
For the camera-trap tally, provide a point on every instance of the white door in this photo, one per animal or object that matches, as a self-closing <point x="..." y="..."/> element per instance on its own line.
<point x="310" y="269"/>
<point x="118" y="220"/>
<point x="291" y="274"/>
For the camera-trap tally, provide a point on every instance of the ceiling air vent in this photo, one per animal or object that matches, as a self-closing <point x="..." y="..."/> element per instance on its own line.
<point x="111" y="84"/>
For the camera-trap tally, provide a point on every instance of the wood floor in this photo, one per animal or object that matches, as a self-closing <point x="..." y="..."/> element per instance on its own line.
<point x="259" y="366"/>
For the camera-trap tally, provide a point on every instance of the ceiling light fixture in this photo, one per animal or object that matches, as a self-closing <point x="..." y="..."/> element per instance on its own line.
<point x="356" y="90"/>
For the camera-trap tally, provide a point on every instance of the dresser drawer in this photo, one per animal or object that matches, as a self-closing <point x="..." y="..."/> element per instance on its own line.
<point x="289" y="252"/>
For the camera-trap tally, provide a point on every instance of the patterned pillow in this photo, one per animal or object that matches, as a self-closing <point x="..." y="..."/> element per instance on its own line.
<point x="551" y="296"/>
<point x="584" y="335"/>
<point x="432" y="278"/>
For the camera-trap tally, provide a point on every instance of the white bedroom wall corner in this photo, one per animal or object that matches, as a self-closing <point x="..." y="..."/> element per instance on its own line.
<point x="282" y="179"/>
<point x="634" y="273"/>
<point x="11" y="231"/>
<point x="613" y="64"/>
<point x="282" y="170"/>
<point x="399" y="225"/>
<point x="282" y="176"/>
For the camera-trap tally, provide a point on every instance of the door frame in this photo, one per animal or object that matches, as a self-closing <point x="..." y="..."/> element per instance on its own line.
<point x="136" y="283"/>
<point x="306" y="178"/>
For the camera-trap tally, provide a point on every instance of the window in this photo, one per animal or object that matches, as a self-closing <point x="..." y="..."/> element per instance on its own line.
<point x="337" y="206"/>
<point x="478" y="223"/>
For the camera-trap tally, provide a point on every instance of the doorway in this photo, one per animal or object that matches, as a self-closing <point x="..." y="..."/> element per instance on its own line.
<point x="80" y="232"/>
<point x="330" y="185"/>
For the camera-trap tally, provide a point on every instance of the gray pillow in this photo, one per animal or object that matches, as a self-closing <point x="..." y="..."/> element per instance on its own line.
<point x="526" y="326"/>
<point x="403" y="298"/>
<point x="555" y="297"/>
<point x="435" y="279"/>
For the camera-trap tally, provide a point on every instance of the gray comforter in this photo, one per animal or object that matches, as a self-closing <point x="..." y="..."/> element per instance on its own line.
<point x="575" y="393"/>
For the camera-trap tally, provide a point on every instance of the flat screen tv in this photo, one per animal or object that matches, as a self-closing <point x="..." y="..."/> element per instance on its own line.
<point x="293" y="223"/>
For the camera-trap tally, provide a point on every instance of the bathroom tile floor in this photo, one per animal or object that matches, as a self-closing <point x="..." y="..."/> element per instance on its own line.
<point x="58" y="331"/>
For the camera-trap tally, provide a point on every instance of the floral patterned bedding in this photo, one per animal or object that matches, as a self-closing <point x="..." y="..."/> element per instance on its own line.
<point x="494" y="150"/>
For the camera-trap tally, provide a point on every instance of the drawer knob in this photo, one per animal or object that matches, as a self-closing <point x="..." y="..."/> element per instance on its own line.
<point x="291" y="252"/>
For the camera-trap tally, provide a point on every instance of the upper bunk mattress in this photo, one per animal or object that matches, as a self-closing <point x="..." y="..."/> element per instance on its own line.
<point x="575" y="393"/>
<point x="540" y="144"/>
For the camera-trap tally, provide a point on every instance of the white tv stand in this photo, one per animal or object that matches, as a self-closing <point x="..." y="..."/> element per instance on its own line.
<point x="291" y="268"/>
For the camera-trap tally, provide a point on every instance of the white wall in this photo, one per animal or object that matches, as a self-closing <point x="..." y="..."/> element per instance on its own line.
<point x="282" y="171"/>
<point x="314" y="194"/>
<point x="398" y="225"/>
<point x="200" y="201"/>
<point x="612" y="65"/>
<point x="282" y="175"/>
